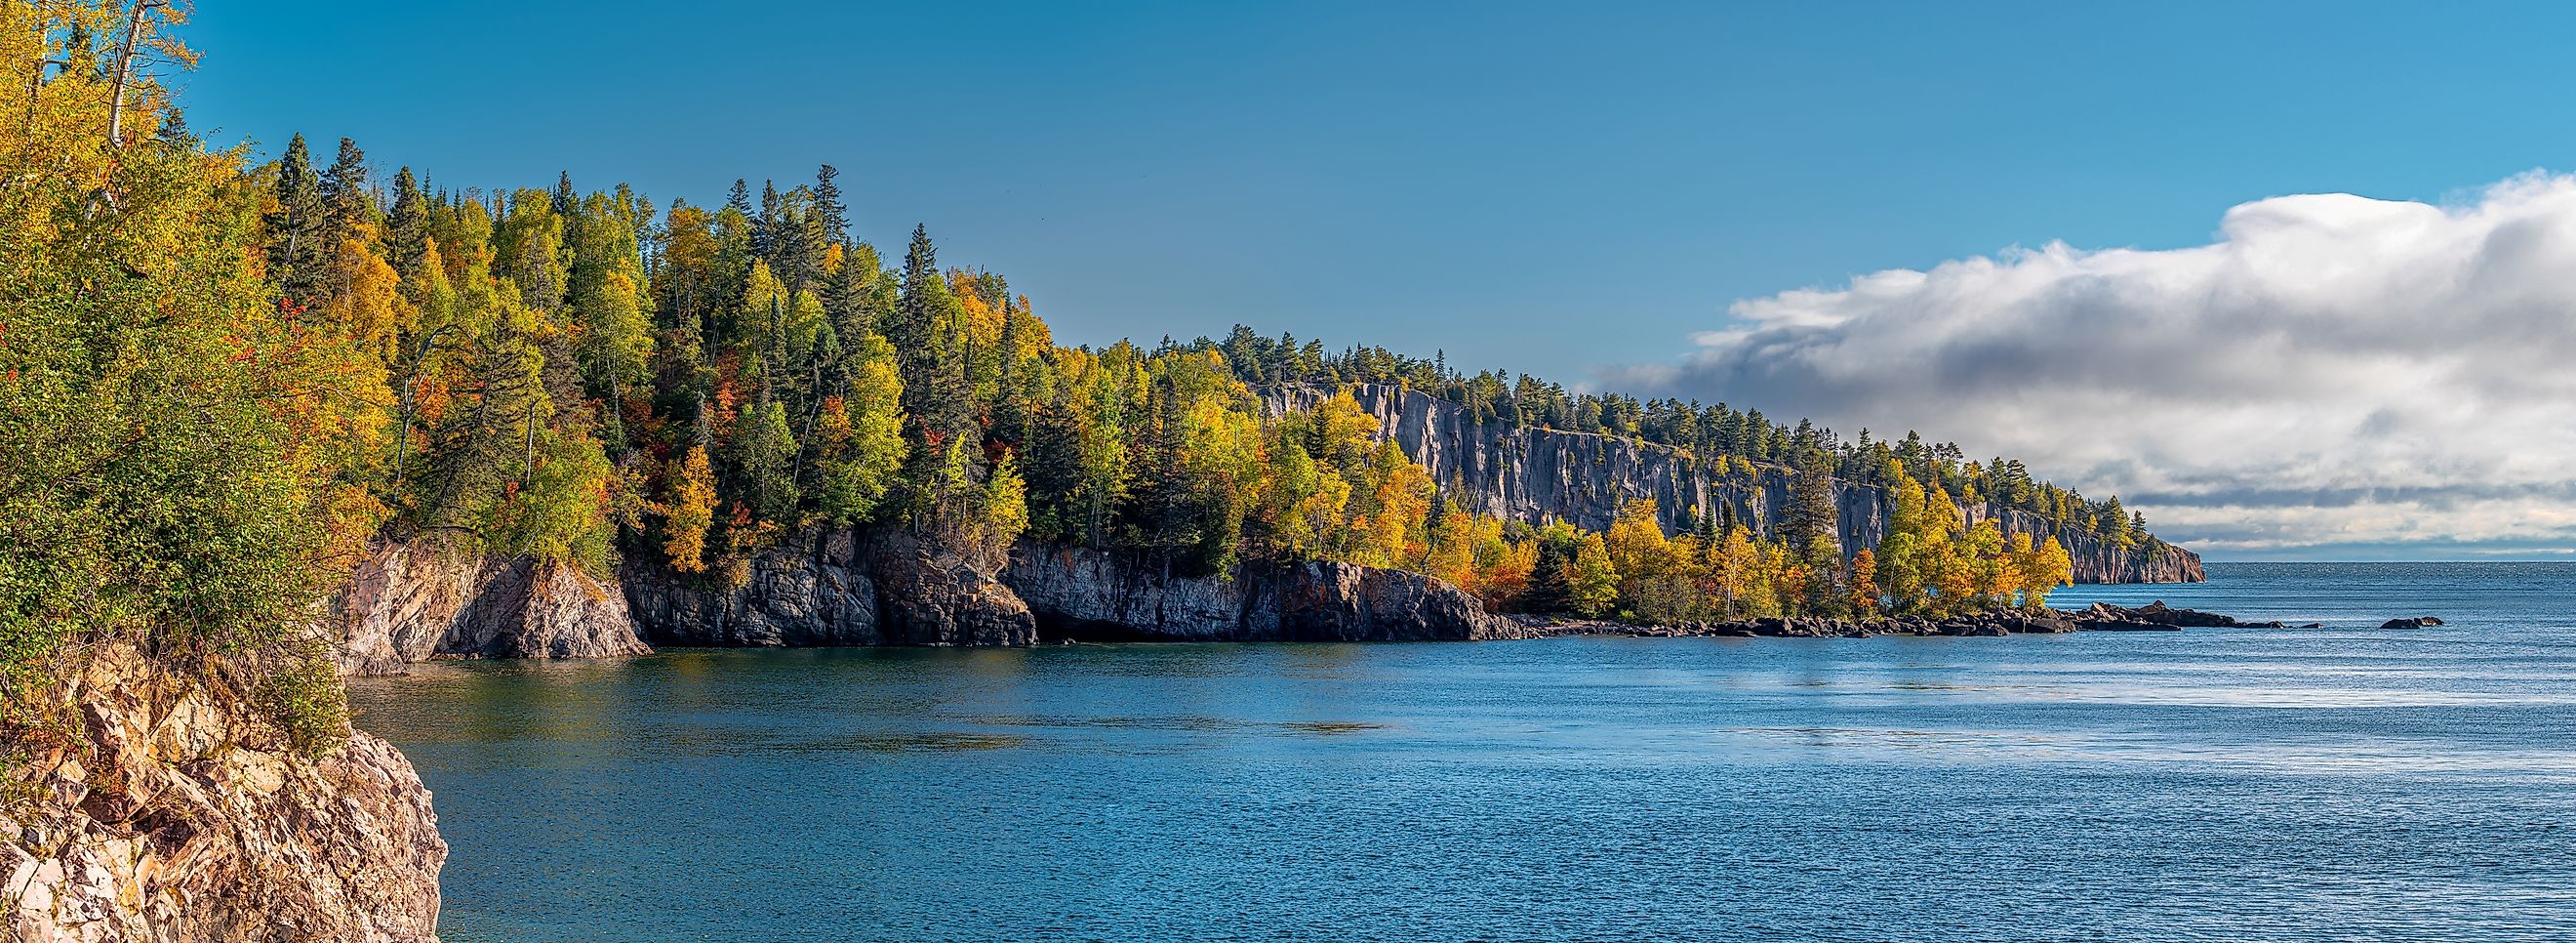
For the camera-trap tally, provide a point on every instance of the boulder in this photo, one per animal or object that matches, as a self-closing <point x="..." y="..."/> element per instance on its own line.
<point x="2416" y="622"/>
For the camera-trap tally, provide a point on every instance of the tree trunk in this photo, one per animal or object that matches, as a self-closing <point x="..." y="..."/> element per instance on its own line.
<point x="136" y="24"/>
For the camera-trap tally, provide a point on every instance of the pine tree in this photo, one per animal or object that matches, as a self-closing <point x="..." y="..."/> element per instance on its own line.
<point x="827" y="205"/>
<point x="767" y="236"/>
<point x="935" y="397"/>
<point x="298" y="233"/>
<point x="2114" y="526"/>
<point x="1811" y="515"/>
<point x="407" y="228"/>
<point x="1551" y="589"/>
<point x="920" y="332"/>
<point x="1010" y="402"/>
<point x="345" y="191"/>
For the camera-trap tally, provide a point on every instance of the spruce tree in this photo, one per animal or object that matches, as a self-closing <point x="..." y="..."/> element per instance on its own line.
<point x="296" y="230"/>
<point x="346" y="193"/>
<point x="1811" y="515"/>
<point x="765" y="235"/>
<point x="565" y="201"/>
<point x="1010" y="405"/>
<point x="407" y="228"/>
<point x="934" y="396"/>
<point x="828" y="208"/>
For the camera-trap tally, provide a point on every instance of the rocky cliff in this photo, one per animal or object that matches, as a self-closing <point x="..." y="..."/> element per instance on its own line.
<point x="833" y="587"/>
<point x="413" y="602"/>
<point x="1093" y="595"/>
<point x="169" y="810"/>
<point x="883" y="587"/>
<point x="1533" y="474"/>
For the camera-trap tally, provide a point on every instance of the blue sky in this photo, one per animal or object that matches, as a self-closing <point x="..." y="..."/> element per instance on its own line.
<point x="1547" y="189"/>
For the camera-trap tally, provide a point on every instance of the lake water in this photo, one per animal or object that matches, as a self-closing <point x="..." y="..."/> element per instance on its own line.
<point x="2343" y="783"/>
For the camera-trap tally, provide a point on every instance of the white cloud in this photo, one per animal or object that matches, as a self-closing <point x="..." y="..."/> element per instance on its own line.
<point x="2332" y="370"/>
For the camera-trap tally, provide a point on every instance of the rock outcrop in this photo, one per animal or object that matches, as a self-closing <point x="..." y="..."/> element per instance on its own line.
<point x="412" y="602"/>
<point x="176" y="813"/>
<point x="884" y="587"/>
<point x="1094" y="595"/>
<point x="833" y="587"/>
<point x="2156" y="615"/>
<point x="1534" y="474"/>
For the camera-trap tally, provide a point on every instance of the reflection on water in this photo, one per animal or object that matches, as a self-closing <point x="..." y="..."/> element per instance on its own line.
<point x="2337" y="783"/>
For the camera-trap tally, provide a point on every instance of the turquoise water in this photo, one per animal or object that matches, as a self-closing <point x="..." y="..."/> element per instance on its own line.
<point x="2330" y="784"/>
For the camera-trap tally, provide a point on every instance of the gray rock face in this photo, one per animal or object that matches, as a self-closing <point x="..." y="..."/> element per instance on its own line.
<point x="883" y="587"/>
<point x="1581" y="478"/>
<point x="179" y="815"/>
<point x="411" y="603"/>
<point x="1096" y="595"/>
<point x="833" y="587"/>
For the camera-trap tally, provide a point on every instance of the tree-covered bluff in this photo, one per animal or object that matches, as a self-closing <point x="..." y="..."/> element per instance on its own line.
<point x="593" y="381"/>
<point x="222" y="371"/>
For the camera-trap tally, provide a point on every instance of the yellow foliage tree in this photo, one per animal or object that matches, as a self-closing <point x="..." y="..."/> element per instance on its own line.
<point x="692" y="509"/>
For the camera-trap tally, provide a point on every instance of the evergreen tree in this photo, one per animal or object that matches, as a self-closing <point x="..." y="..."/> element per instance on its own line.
<point x="298" y="231"/>
<point x="766" y="228"/>
<point x="345" y="191"/>
<point x="828" y="209"/>
<point x="1811" y="514"/>
<point x="407" y="228"/>
<point x="2114" y="525"/>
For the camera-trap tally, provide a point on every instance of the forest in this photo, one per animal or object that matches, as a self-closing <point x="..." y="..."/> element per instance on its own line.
<point x="222" y="378"/>
<point x="575" y="376"/>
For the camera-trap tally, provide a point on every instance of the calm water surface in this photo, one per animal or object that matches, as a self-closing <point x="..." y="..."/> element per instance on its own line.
<point x="2342" y="783"/>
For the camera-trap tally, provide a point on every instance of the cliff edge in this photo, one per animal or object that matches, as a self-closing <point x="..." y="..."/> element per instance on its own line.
<point x="1535" y="474"/>
<point x="172" y="810"/>
<point x="413" y="602"/>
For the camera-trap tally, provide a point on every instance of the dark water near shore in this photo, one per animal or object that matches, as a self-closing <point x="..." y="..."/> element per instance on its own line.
<point x="2325" y="784"/>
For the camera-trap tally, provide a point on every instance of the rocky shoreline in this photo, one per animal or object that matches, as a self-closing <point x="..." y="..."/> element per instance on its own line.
<point x="2099" y="617"/>
<point x="170" y="807"/>
<point x="884" y="587"/>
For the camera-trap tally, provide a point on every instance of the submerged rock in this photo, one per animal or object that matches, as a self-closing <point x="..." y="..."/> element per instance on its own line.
<point x="176" y="813"/>
<point x="2417" y="622"/>
<point x="411" y="602"/>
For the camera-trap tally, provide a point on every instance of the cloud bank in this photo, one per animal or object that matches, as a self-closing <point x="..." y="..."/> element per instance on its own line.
<point x="2331" y="371"/>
